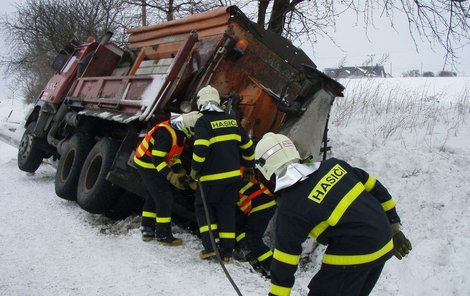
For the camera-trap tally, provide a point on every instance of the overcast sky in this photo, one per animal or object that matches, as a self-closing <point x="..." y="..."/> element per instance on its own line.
<point x="357" y="48"/>
<point x="381" y="40"/>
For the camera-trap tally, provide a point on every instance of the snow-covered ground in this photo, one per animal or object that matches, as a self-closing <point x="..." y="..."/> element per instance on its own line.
<point x="412" y="134"/>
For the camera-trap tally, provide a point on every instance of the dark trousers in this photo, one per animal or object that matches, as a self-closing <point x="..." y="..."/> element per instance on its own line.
<point x="158" y="201"/>
<point x="254" y="226"/>
<point x="220" y="199"/>
<point x="344" y="282"/>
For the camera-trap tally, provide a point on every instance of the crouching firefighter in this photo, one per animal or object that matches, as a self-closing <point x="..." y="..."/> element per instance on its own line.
<point x="343" y="207"/>
<point x="158" y="163"/>
<point x="256" y="207"/>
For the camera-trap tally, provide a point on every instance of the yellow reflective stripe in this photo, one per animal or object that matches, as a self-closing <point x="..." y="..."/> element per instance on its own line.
<point x="266" y="189"/>
<point x="357" y="259"/>
<point x="263" y="206"/>
<point x="227" y="235"/>
<point x="249" y="157"/>
<point x="161" y="166"/>
<point x="148" y="214"/>
<point x="224" y="138"/>
<point x="163" y="219"/>
<point x="265" y="256"/>
<point x="172" y="133"/>
<point x="339" y="210"/>
<point x="205" y="228"/>
<point x="279" y="290"/>
<point x="159" y="153"/>
<point x="140" y="151"/>
<point x="147" y="165"/>
<point x="246" y="187"/>
<point x="240" y="236"/>
<point x="197" y="158"/>
<point x="369" y="185"/>
<point x="247" y="145"/>
<point x="286" y="258"/>
<point x="245" y="207"/>
<point x="201" y="142"/>
<point x="220" y="176"/>
<point x="388" y="205"/>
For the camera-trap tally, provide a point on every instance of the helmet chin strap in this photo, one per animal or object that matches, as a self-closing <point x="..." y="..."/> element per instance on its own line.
<point x="292" y="173"/>
<point x="211" y="106"/>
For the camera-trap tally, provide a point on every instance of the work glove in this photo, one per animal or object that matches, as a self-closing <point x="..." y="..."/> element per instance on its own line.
<point x="192" y="184"/>
<point x="194" y="175"/>
<point x="179" y="170"/>
<point x="178" y="180"/>
<point x="401" y="245"/>
<point x="249" y="174"/>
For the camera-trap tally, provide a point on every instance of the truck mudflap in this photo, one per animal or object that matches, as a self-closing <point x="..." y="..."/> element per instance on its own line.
<point x="301" y="131"/>
<point x="308" y="130"/>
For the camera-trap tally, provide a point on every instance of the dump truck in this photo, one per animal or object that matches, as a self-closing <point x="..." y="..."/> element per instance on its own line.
<point x="103" y="98"/>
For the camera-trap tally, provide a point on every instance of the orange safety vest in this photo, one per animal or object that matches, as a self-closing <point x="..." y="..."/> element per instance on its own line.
<point x="175" y="150"/>
<point x="245" y="200"/>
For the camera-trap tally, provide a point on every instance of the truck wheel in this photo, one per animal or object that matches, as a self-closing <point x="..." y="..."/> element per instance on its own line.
<point x="70" y="165"/>
<point x="29" y="154"/>
<point x="94" y="193"/>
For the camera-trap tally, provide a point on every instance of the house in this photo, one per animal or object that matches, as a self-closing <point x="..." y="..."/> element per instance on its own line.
<point x="356" y="72"/>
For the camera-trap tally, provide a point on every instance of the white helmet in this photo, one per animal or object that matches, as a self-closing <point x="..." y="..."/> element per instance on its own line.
<point x="207" y="94"/>
<point x="274" y="151"/>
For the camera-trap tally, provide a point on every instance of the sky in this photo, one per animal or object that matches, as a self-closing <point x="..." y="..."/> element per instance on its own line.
<point x="412" y="134"/>
<point x="382" y="40"/>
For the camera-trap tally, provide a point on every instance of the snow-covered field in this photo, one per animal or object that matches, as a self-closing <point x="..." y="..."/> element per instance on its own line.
<point x="412" y="134"/>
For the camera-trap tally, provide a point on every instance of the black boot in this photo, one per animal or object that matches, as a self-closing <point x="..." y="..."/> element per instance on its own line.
<point x="263" y="269"/>
<point x="165" y="236"/>
<point x="148" y="233"/>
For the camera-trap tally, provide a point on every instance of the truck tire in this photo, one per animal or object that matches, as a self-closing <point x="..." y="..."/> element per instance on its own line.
<point x="29" y="154"/>
<point x="70" y="165"/>
<point x="94" y="193"/>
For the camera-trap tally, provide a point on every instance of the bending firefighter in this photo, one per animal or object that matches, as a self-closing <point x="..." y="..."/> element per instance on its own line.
<point x="157" y="161"/>
<point x="219" y="147"/>
<point x="341" y="206"/>
<point x="256" y="207"/>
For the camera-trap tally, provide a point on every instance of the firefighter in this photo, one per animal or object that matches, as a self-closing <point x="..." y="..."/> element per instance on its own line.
<point x="220" y="146"/>
<point x="343" y="207"/>
<point x="256" y="207"/>
<point x="158" y="163"/>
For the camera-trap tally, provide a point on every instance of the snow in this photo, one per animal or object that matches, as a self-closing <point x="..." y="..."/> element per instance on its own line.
<point x="412" y="134"/>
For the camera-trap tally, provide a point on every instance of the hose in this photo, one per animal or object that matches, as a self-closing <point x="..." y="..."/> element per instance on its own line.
<point x="211" y="235"/>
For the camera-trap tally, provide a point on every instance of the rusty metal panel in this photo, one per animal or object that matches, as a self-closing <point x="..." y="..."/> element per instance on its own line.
<point x="104" y="61"/>
<point x="213" y="22"/>
<point x="124" y="93"/>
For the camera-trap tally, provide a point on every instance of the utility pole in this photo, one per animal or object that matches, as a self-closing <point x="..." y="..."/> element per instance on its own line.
<point x="371" y="56"/>
<point x="144" y="13"/>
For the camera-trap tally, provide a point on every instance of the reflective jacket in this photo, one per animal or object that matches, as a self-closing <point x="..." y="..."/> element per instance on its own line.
<point x="220" y="146"/>
<point x="160" y="149"/>
<point x="342" y="207"/>
<point x="254" y="197"/>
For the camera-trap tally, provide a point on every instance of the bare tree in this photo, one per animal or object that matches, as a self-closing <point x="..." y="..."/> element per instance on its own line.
<point x="445" y="22"/>
<point x="167" y="10"/>
<point x="40" y="28"/>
